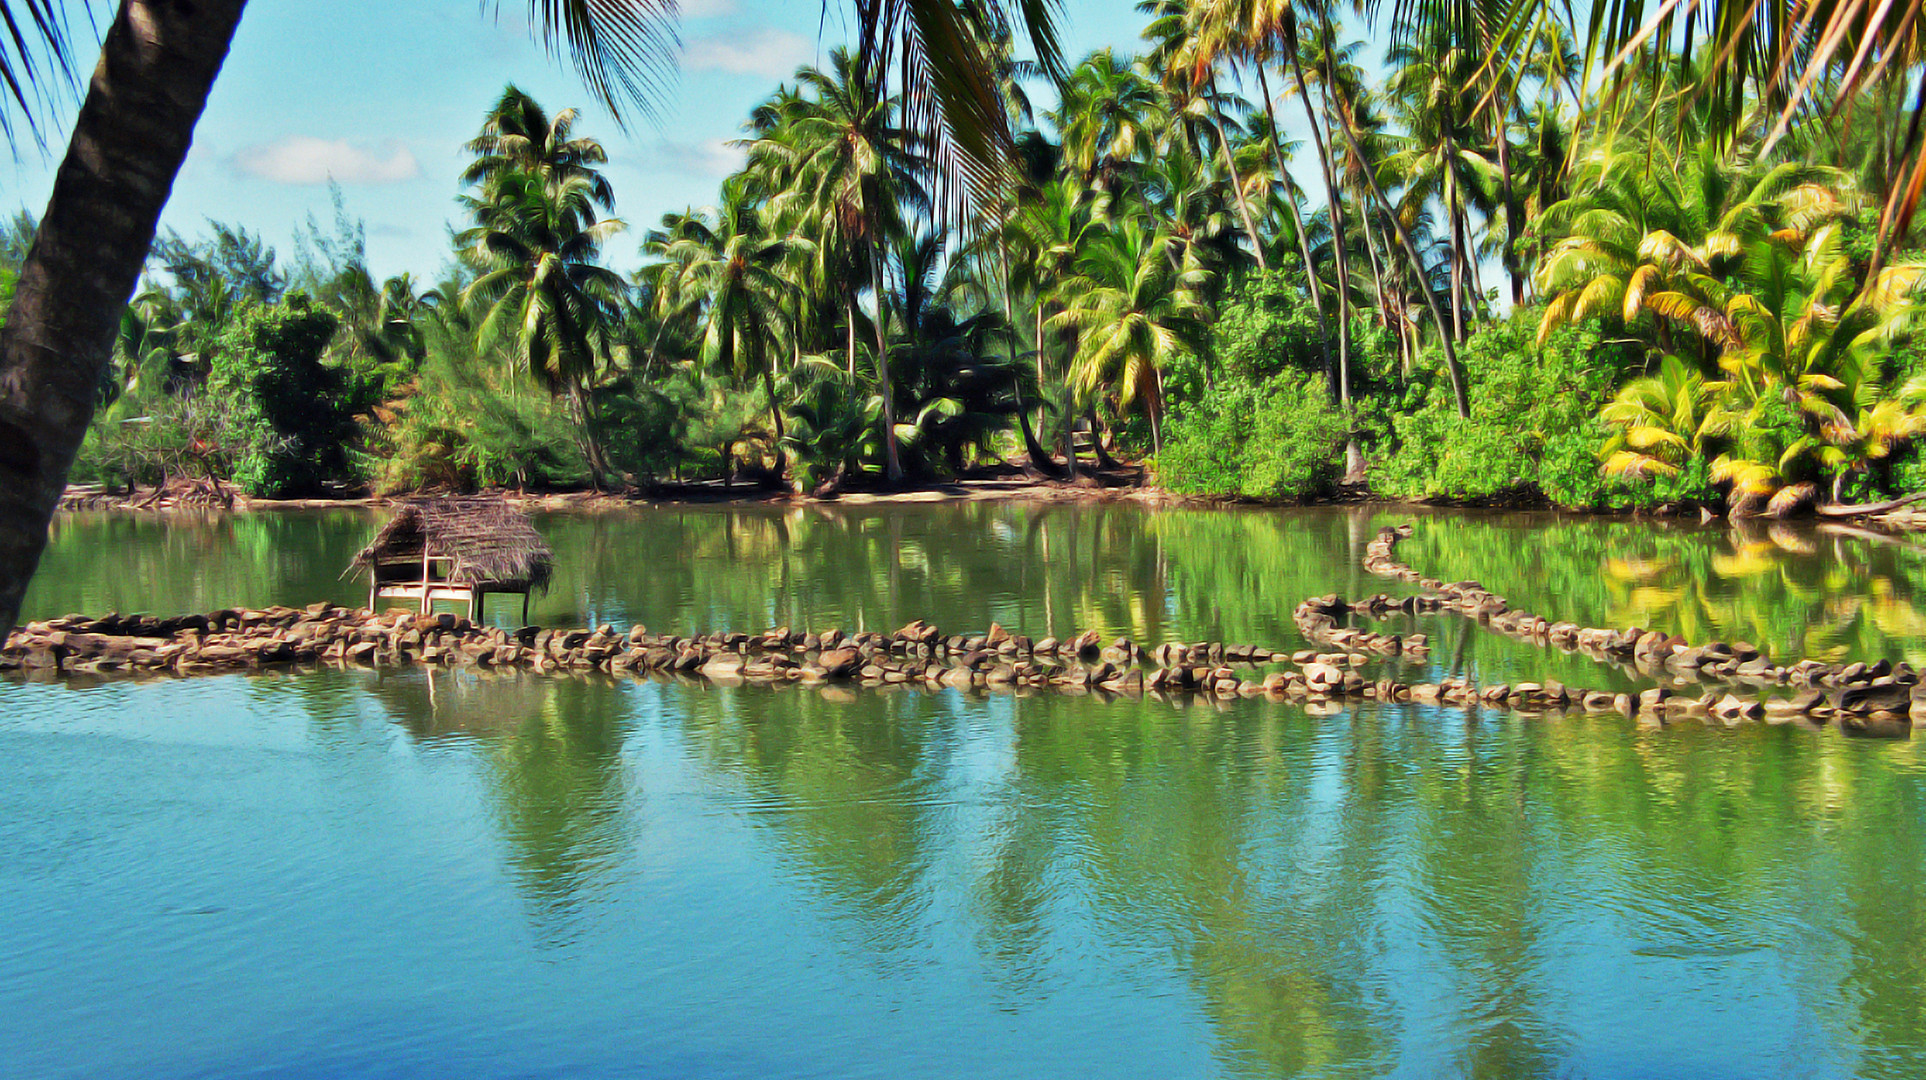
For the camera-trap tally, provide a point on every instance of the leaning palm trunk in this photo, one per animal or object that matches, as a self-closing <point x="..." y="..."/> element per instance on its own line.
<point x="1417" y="269"/>
<point x="581" y="407"/>
<point x="1039" y="458"/>
<point x="132" y="133"/>
<point x="1842" y="510"/>
<point x="1297" y="219"/>
<point x="1237" y="182"/>
<point x="852" y="335"/>
<point x="1512" y="222"/>
<point x="1341" y="374"/>
<point x="1457" y="259"/>
<point x="775" y="414"/>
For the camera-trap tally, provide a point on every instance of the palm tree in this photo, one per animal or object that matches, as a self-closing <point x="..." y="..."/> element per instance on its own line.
<point x="1190" y="76"/>
<point x="1635" y="223"/>
<point x="545" y="296"/>
<point x="1270" y="28"/>
<point x="1048" y="235"/>
<point x="1111" y="115"/>
<point x="1794" y="347"/>
<point x="736" y="275"/>
<point x="520" y="136"/>
<point x="1434" y="83"/>
<point x="1134" y="310"/>
<point x="1661" y="421"/>
<point x="841" y="165"/>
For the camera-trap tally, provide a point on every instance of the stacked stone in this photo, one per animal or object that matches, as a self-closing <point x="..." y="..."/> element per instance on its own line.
<point x="920" y="655"/>
<point x="1859" y="693"/>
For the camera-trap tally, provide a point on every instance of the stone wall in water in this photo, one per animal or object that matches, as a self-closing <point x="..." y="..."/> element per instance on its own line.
<point x="1737" y="682"/>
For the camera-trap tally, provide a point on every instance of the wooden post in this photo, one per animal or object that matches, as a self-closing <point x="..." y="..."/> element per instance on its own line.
<point x="476" y="601"/>
<point x="524" y="607"/>
<point x="426" y="603"/>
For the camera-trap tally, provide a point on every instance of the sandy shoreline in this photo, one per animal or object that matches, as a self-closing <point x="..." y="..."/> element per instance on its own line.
<point x="80" y="499"/>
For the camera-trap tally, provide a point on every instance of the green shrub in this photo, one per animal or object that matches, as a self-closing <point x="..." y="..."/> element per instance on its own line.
<point x="1280" y="440"/>
<point x="289" y="412"/>
<point x="466" y="427"/>
<point x="1267" y="327"/>
<point x="1533" y="422"/>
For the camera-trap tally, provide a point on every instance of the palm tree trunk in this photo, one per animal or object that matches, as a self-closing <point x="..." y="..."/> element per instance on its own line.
<point x="132" y="133"/>
<point x="1069" y="442"/>
<point x="1104" y="460"/>
<point x="775" y="415"/>
<point x="582" y="410"/>
<point x="1512" y="222"/>
<point x="1376" y="260"/>
<point x="1156" y="408"/>
<point x="1343" y="372"/>
<point x="852" y="335"/>
<point x="1237" y="182"/>
<point x="1297" y="219"/>
<point x="1457" y="258"/>
<point x="1474" y="276"/>
<point x="1039" y="458"/>
<point x="1417" y="270"/>
<point x="1041" y="403"/>
<point x="892" y="464"/>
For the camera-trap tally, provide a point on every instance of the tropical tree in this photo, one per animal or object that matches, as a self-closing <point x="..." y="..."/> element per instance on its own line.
<point x="1794" y="348"/>
<point x="843" y="169"/>
<point x="1661" y="421"/>
<point x="545" y="297"/>
<point x="519" y="136"/>
<point x="1112" y="116"/>
<point x="736" y="277"/>
<point x="1134" y="310"/>
<point x="1434" y="84"/>
<point x="1634" y="222"/>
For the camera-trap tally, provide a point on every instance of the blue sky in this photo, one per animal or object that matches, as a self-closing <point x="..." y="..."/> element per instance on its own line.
<point x="381" y="94"/>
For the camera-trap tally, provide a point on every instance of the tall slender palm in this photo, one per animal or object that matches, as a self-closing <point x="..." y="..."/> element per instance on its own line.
<point x="1433" y="83"/>
<point x="1273" y="26"/>
<point x="735" y="274"/>
<point x="1245" y="30"/>
<point x="1048" y="235"/>
<point x="842" y="161"/>
<point x="546" y="298"/>
<point x="1190" y="75"/>
<point x="1112" y="115"/>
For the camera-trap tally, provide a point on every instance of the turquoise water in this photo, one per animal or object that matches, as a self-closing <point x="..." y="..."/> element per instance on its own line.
<point x="382" y="874"/>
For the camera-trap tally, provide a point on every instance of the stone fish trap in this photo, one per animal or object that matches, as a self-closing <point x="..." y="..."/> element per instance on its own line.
<point x="1877" y="698"/>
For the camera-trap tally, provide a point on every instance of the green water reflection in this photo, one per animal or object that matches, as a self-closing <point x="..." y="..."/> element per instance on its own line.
<point x="1238" y="889"/>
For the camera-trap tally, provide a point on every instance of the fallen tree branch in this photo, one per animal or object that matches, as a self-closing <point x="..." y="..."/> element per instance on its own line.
<point x="1840" y="510"/>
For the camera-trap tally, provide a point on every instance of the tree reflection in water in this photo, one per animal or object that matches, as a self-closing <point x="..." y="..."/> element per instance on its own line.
<point x="1380" y="890"/>
<point x="550" y="752"/>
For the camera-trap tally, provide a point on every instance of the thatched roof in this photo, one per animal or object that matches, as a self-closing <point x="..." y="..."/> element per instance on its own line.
<point x="491" y="543"/>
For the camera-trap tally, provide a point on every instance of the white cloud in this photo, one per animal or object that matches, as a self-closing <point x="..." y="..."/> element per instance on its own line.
<point x="302" y="159"/>
<point x="769" y="52"/>
<point x="709" y="158"/>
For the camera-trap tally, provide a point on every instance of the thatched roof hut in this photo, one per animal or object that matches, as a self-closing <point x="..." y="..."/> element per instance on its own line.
<point x="479" y="542"/>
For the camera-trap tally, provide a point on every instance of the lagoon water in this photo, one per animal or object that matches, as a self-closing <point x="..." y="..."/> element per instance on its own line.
<point x="385" y="874"/>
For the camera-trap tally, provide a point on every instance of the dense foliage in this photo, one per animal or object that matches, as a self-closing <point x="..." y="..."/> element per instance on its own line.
<point x="1474" y="280"/>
